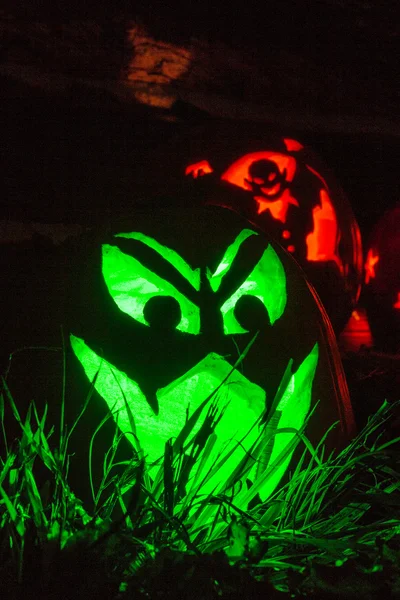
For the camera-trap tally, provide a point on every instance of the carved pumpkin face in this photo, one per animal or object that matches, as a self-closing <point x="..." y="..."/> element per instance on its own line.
<point x="382" y="281"/>
<point x="285" y="190"/>
<point x="167" y="306"/>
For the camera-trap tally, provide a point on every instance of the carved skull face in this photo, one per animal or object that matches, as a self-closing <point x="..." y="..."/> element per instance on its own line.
<point x="268" y="176"/>
<point x="266" y="180"/>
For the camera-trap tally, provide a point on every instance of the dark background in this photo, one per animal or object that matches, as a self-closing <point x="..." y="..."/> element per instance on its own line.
<point x="73" y="159"/>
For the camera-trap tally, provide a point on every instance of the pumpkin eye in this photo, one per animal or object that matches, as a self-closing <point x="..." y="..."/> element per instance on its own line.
<point x="146" y="296"/>
<point x="251" y="313"/>
<point x="163" y="313"/>
<point x="267" y="284"/>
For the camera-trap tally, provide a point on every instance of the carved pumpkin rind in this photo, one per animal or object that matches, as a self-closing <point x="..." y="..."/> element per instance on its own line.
<point x="219" y="254"/>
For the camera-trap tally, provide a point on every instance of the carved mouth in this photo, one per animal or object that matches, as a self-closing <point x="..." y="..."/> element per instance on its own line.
<point x="272" y="192"/>
<point x="243" y="402"/>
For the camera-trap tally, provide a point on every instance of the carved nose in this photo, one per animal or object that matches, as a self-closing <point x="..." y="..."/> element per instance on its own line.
<point x="211" y="318"/>
<point x="272" y="192"/>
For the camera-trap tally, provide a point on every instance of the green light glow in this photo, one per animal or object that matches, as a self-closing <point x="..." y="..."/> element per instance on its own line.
<point x="132" y="285"/>
<point x="228" y="258"/>
<point x="293" y="409"/>
<point x="245" y="400"/>
<point x="267" y="281"/>
<point x="111" y="384"/>
<point x="192" y="275"/>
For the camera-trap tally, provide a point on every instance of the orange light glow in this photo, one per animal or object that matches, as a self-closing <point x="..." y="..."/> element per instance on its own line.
<point x="198" y="169"/>
<point x="357" y="332"/>
<point x="370" y="265"/>
<point x="323" y="240"/>
<point x="238" y="174"/>
<point x="357" y="253"/>
<point x="278" y="208"/>
<point x="292" y="145"/>
<point x="397" y="303"/>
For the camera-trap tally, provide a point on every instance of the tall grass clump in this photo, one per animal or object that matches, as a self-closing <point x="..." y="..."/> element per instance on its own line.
<point x="331" y="531"/>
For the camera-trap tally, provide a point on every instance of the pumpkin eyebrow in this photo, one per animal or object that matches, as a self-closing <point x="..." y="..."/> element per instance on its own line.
<point x="224" y="266"/>
<point x="162" y="261"/>
<point x="266" y="281"/>
<point x="131" y="284"/>
<point x="191" y="275"/>
<point x="236" y="265"/>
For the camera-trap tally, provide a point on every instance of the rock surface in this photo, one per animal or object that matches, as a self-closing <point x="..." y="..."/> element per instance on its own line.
<point x="329" y="66"/>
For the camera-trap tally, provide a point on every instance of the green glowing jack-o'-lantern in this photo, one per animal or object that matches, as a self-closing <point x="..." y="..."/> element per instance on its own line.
<point x="282" y="187"/>
<point x="382" y="282"/>
<point x="167" y="306"/>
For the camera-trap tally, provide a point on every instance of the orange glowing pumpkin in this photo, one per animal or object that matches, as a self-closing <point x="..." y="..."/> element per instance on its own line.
<point x="382" y="281"/>
<point x="283" y="188"/>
